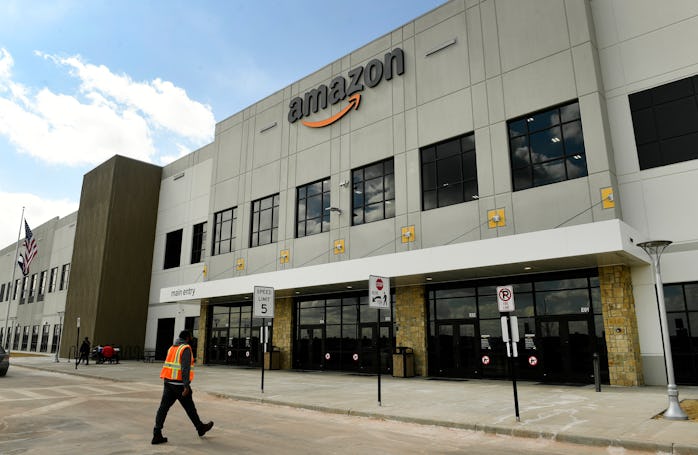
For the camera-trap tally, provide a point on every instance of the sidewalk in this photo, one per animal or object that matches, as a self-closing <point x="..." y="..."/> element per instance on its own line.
<point x="617" y="416"/>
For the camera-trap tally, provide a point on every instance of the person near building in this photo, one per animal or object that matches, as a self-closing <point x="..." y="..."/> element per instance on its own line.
<point x="177" y="374"/>
<point x="85" y="351"/>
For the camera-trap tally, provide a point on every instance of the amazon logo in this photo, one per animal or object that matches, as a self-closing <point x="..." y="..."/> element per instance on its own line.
<point x="341" y="88"/>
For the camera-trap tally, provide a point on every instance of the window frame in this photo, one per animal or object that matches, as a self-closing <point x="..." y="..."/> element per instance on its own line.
<point x="302" y="218"/>
<point x="359" y="180"/>
<point x="258" y="209"/>
<point x="565" y="144"/>
<point x="173" y="249"/>
<point x="65" y="277"/>
<point x="466" y="155"/>
<point x="198" y="242"/>
<point x="218" y="222"/>
<point x="655" y="110"/>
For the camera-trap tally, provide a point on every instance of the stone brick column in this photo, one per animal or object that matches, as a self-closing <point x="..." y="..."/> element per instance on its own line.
<point x="410" y="317"/>
<point x="203" y="333"/>
<point x="620" y="324"/>
<point x="283" y="330"/>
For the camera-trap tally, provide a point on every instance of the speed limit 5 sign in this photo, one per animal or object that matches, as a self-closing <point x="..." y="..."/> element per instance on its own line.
<point x="263" y="302"/>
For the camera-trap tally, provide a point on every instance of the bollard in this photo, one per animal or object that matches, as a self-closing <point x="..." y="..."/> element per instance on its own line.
<point x="597" y="374"/>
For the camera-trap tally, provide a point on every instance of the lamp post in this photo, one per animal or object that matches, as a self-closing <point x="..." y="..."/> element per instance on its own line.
<point x="655" y="249"/>
<point x="60" y="333"/>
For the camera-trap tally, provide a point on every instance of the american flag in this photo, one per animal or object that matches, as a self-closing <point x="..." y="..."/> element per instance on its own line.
<point x="30" y="251"/>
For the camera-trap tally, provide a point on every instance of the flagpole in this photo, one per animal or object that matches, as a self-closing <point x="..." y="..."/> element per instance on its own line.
<point x="12" y="283"/>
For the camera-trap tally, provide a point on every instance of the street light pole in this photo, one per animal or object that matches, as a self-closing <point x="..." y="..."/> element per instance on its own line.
<point x="655" y="249"/>
<point x="60" y="334"/>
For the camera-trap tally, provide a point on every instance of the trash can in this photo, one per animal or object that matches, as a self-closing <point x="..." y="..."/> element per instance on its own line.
<point x="403" y="362"/>
<point x="272" y="360"/>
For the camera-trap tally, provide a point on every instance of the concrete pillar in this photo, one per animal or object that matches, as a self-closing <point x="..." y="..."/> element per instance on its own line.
<point x="203" y="332"/>
<point x="411" y="319"/>
<point x="620" y="324"/>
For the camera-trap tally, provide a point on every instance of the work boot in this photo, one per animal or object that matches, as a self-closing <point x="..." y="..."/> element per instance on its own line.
<point x="158" y="438"/>
<point x="203" y="429"/>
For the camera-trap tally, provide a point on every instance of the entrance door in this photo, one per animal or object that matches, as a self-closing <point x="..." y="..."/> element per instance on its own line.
<point x="165" y="337"/>
<point x="568" y="347"/>
<point x="457" y="349"/>
<point x="311" y="347"/>
<point x="368" y="341"/>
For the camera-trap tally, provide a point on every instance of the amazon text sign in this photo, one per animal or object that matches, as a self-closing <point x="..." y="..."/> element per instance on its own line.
<point x="362" y="76"/>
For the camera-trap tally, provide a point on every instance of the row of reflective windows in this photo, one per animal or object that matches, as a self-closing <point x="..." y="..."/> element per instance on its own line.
<point x="30" y="287"/>
<point x="545" y="147"/>
<point x="23" y="340"/>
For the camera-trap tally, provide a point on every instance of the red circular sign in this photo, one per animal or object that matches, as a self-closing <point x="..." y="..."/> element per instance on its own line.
<point x="485" y="360"/>
<point x="379" y="284"/>
<point x="504" y="295"/>
<point x="533" y="360"/>
<point x="327" y="356"/>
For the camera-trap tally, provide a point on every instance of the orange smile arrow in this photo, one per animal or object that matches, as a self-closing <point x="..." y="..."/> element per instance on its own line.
<point x="353" y="103"/>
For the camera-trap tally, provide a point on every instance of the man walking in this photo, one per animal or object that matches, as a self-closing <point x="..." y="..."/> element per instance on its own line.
<point x="177" y="373"/>
<point x="85" y="351"/>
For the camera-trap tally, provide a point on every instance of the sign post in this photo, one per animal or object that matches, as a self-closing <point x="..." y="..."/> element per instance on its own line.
<point x="510" y="334"/>
<point x="263" y="307"/>
<point x="77" y="340"/>
<point x="378" y="298"/>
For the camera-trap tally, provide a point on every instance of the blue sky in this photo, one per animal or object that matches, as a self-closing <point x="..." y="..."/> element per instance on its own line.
<point x="81" y="81"/>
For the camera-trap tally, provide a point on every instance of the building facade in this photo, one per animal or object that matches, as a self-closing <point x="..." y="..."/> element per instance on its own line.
<point x="486" y="143"/>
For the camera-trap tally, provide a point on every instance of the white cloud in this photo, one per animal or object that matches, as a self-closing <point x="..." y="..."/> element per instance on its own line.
<point x="6" y="63"/>
<point x="110" y="115"/>
<point x="164" y="104"/>
<point x="37" y="212"/>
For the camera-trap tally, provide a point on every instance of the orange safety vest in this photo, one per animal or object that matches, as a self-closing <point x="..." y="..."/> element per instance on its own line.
<point x="172" y="369"/>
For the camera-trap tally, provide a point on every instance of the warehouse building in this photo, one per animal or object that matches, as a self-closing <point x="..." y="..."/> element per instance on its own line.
<point x="487" y="143"/>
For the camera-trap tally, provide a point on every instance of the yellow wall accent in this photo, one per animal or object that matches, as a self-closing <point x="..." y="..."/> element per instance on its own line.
<point x="240" y="264"/>
<point x="284" y="256"/>
<point x="492" y="223"/>
<point x="339" y="246"/>
<point x="407" y="234"/>
<point x="607" y="198"/>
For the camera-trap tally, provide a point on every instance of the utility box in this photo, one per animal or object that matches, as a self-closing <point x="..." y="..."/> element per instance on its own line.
<point x="403" y="362"/>
<point x="272" y="360"/>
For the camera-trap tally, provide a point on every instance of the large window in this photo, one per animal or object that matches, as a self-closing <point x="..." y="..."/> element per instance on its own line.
<point x="313" y="208"/>
<point x="198" y="243"/>
<point x="65" y="276"/>
<point x="682" y="318"/>
<point x="547" y="147"/>
<point x="665" y="120"/>
<point x="52" y="279"/>
<point x="32" y="287"/>
<point x="224" y="231"/>
<point x="42" y="285"/>
<point x="173" y="249"/>
<point x="449" y="172"/>
<point x="374" y="192"/>
<point x="265" y="221"/>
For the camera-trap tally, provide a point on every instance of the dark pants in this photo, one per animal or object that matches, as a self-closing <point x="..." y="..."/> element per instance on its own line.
<point x="170" y="394"/>
<point x="84" y="356"/>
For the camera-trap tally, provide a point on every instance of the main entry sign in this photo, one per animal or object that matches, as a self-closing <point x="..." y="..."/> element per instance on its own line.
<point x="378" y="292"/>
